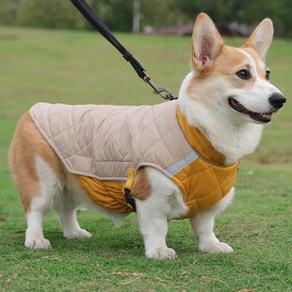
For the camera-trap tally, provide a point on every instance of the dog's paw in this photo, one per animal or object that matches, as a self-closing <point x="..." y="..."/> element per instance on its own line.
<point x="215" y="247"/>
<point x="37" y="243"/>
<point x="162" y="254"/>
<point x="77" y="233"/>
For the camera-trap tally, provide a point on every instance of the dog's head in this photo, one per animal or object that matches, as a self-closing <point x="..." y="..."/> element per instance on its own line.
<point x="235" y="81"/>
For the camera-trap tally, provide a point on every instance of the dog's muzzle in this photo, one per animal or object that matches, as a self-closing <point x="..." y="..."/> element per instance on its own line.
<point x="277" y="100"/>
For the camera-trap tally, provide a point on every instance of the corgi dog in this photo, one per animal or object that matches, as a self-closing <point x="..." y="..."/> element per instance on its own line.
<point x="180" y="157"/>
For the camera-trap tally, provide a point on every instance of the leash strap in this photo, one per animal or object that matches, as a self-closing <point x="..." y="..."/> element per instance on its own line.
<point x="96" y="22"/>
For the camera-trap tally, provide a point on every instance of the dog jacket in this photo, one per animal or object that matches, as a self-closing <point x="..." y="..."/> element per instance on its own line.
<point x="101" y="143"/>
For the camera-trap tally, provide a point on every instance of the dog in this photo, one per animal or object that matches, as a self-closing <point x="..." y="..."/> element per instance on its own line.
<point x="174" y="160"/>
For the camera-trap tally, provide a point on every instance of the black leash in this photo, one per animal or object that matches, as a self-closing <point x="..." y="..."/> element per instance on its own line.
<point x="92" y="18"/>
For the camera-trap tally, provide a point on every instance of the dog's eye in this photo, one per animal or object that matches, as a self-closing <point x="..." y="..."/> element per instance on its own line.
<point x="268" y="74"/>
<point x="243" y="74"/>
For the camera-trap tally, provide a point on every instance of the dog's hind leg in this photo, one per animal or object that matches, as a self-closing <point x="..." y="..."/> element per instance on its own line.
<point x="203" y="225"/>
<point x="36" y="172"/>
<point x="34" y="237"/>
<point x="40" y="205"/>
<point x="26" y="143"/>
<point x="66" y="207"/>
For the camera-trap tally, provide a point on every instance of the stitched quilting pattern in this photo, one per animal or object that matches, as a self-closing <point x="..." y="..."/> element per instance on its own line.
<point x="204" y="184"/>
<point x="104" y="141"/>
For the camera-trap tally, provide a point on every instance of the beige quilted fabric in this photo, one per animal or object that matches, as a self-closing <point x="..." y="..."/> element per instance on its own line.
<point x="103" y="141"/>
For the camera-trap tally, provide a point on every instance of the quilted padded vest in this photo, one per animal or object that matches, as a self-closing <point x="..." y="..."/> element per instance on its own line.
<point x="100" y="143"/>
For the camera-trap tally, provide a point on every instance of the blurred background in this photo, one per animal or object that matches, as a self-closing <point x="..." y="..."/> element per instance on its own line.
<point x="233" y="17"/>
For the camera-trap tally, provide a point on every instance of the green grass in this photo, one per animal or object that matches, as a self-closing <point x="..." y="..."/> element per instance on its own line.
<point x="80" y="67"/>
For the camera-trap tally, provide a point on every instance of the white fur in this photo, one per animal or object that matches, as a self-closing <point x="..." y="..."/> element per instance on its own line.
<point x="164" y="203"/>
<point x="228" y="135"/>
<point x="41" y="205"/>
<point x="255" y="98"/>
<point x="203" y="225"/>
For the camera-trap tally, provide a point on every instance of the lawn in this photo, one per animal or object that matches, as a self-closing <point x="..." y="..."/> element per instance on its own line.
<point x="81" y="67"/>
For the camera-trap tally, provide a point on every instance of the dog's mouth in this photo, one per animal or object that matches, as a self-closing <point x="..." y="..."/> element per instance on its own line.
<point x="259" y="117"/>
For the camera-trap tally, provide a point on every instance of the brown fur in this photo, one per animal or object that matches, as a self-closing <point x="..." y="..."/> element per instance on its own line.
<point x="141" y="187"/>
<point x="26" y="145"/>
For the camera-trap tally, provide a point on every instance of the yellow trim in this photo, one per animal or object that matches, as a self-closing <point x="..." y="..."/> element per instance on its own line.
<point x="130" y="181"/>
<point x="198" y="141"/>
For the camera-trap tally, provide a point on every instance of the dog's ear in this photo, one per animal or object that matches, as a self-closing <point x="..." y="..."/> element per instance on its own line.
<point x="206" y="43"/>
<point x="261" y="38"/>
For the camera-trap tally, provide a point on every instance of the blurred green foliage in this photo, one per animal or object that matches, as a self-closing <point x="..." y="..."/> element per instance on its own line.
<point x="118" y="14"/>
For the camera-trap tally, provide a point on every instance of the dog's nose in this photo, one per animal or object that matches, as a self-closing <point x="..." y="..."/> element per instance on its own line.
<point x="277" y="100"/>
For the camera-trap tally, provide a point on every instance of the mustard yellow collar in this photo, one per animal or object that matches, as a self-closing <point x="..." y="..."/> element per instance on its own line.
<point x="198" y="141"/>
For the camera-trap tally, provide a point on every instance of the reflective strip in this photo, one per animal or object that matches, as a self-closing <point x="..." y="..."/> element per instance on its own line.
<point x="178" y="166"/>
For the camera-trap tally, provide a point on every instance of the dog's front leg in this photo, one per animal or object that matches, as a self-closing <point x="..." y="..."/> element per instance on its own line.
<point x="153" y="225"/>
<point x="161" y="201"/>
<point x="203" y="225"/>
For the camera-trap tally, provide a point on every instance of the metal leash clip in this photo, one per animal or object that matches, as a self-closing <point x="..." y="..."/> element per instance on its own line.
<point x="161" y="91"/>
